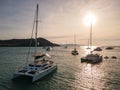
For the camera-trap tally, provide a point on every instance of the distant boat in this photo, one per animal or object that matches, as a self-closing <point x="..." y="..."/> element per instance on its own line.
<point x="98" y="49"/>
<point x="106" y="57"/>
<point x="88" y="48"/>
<point x="41" y="65"/>
<point x="114" y="57"/>
<point x="49" y="48"/>
<point x="74" y="52"/>
<point x="66" y="46"/>
<point x="109" y="48"/>
<point x="92" y="57"/>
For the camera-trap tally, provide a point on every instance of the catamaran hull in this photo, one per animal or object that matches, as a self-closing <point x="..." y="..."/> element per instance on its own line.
<point x="93" y="61"/>
<point x="46" y="72"/>
<point x="35" y="77"/>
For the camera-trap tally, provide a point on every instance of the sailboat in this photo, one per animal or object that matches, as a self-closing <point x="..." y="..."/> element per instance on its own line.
<point x="41" y="66"/>
<point x="92" y="57"/>
<point x="74" y="52"/>
<point x="66" y="46"/>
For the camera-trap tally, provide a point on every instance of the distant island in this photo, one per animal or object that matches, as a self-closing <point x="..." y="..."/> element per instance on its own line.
<point x="26" y="42"/>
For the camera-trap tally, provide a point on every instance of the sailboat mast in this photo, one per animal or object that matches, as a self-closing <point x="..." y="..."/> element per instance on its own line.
<point x="88" y="44"/>
<point x="36" y="31"/>
<point x="75" y="41"/>
<point x="91" y="38"/>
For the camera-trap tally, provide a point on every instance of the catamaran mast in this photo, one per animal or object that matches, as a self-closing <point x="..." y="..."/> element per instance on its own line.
<point x="36" y="21"/>
<point x="91" y="38"/>
<point x="88" y="44"/>
<point x="75" y="41"/>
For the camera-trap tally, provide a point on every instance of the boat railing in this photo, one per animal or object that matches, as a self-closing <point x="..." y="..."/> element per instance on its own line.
<point x="21" y="68"/>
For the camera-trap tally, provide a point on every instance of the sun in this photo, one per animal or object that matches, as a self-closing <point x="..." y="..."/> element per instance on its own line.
<point x="89" y="19"/>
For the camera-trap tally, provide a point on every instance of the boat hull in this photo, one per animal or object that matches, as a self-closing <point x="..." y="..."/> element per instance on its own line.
<point x="74" y="52"/>
<point x="46" y="72"/>
<point x="91" y="60"/>
<point x="35" y="77"/>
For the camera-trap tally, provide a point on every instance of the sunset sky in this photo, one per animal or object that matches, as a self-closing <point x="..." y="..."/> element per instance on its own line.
<point x="60" y="19"/>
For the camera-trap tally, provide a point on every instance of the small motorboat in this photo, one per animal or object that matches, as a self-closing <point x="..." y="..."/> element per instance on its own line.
<point x="98" y="49"/>
<point x="109" y="48"/>
<point x="106" y="57"/>
<point x="114" y="57"/>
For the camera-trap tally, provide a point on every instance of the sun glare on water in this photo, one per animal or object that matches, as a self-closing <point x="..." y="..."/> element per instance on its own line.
<point x="89" y="19"/>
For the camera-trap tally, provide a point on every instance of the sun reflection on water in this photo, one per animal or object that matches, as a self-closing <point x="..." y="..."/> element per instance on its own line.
<point x="89" y="77"/>
<point x="87" y="49"/>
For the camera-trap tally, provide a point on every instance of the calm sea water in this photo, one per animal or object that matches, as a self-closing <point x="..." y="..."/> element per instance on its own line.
<point x="70" y="75"/>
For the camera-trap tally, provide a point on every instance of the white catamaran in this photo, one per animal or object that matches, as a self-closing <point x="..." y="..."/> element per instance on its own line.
<point x="41" y="65"/>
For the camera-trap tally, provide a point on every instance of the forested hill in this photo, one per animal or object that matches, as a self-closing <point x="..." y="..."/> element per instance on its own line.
<point x="26" y="42"/>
